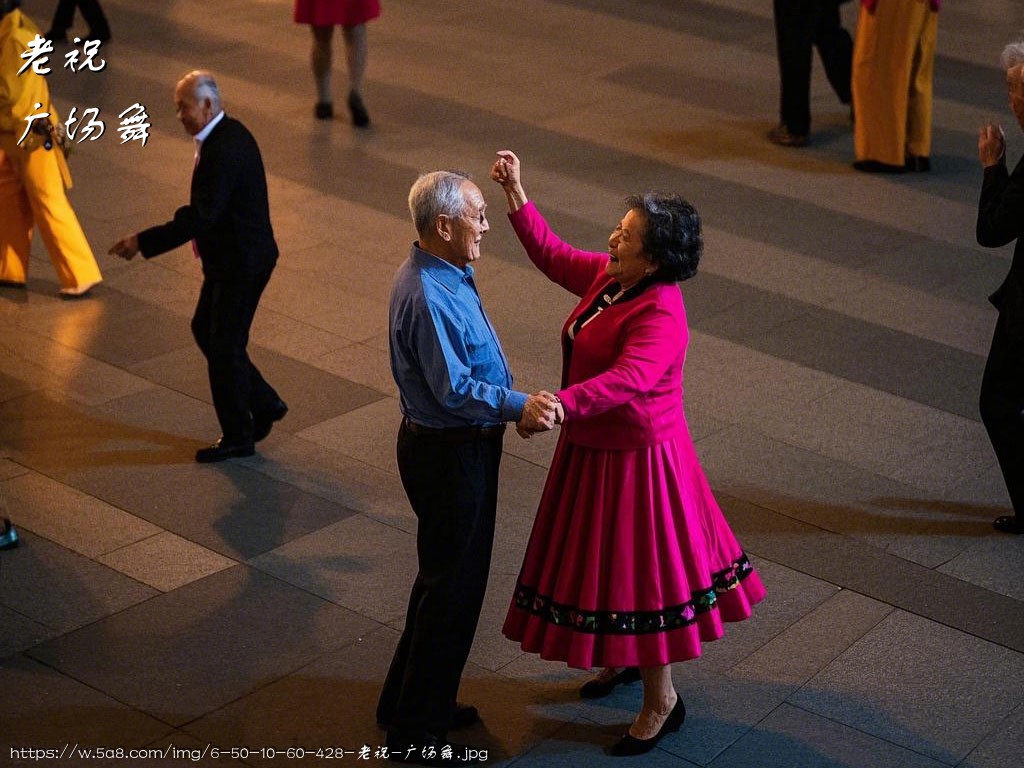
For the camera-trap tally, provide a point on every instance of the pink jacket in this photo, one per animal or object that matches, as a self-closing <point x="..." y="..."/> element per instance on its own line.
<point x="622" y="382"/>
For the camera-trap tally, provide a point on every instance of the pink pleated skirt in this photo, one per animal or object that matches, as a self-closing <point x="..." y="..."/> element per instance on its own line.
<point x="631" y="561"/>
<point x="326" y="13"/>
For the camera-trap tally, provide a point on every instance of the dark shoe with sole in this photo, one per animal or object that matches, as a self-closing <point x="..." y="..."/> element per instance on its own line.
<point x="263" y="421"/>
<point x="225" y="449"/>
<point x="630" y="745"/>
<point x="427" y="749"/>
<point x="918" y="164"/>
<point x="9" y="538"/>
<point x="598" y="688"/>
<point x="360" y="117"/>
<point x="1008" y="524"/>
<point x="781" y="135"/>
<point x="873" y="166"/>
<point x="323" y="110"/>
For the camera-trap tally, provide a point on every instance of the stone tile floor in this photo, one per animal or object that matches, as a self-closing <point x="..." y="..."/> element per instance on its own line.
<point x="839" y="330"/>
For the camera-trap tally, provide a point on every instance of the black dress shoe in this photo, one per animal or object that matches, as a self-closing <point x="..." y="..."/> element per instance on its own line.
<point x="360" y="117"/>
<point x="874" y="166"/>
<point x="263" y="421"/>
<point x="630" y="745"/>
<point x="9" y="537"/>
<point x="463" y="716"/>
<point x="225" y="449"/>
<point x="598" y="688"/>
<point x="427" y="749"/>
<point x="1008" y="524"/>
<point x="323" y="110"/>
<point x="918" y="164"/>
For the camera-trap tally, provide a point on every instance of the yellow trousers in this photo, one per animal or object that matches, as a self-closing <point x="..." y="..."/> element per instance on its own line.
<point x="893" y="62"/>
<point x="32" y="193"/>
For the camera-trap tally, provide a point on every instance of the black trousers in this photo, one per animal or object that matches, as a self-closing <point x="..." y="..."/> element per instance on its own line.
<point x="801" y="25"/>
<point x="1002" y="408"/>
<point x="221" y="329"/>
<point x="453" y="489"/>
<point x="93" y="14"/>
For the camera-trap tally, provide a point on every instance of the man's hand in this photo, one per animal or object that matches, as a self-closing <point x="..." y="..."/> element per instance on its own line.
<point x="539" y="415"/>
<point x="991" y="145"/>
<point x="126" y="247"/>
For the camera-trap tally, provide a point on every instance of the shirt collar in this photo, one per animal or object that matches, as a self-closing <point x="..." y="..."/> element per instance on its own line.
<point x="444" y="272"/>
<point x="204" y="134"/>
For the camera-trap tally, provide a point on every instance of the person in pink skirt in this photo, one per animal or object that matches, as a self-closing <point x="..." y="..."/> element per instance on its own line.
<point x="631" y="563"/>
<point x="323" y="16"/>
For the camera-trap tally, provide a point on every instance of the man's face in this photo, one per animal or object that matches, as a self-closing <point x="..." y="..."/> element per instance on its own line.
<point x="193" y="114"/>
<point x="467" y="229"/>
<point x="1015" y="87"/>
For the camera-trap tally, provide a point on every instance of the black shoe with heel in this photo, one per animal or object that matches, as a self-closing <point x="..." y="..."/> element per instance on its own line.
<point x="360" y="117"/>
<point x="630" y="745"/>
<point x="598" y="688"/>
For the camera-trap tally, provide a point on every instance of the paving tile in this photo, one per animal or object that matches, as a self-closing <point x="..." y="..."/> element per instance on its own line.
<point x="362" y="363"/>
<point x="73" y="519"/>
<point x="881" y="686"/>
<point x="69" y="375"/>
<point x="580" y="744"/>
<point x="357" y="563"/>
<point x="232" y="509"/>
<point x="1002" y="747"/>
<point x="61" y="590"/>
<point x="19" y="632"/>
<point x="358" y="434"/>
<point x="793" y="738"/>
<point x="165" y="561"/>
<point x="205" y="653"/>
<point x="807" y="646"/>
<point x="44" y="709"/>
<point x="993" y="563"/>
<point x="327" y="704"/>
<point x="56" y="439"/>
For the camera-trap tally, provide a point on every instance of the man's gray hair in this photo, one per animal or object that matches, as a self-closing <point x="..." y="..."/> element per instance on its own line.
<point x="204" y="87"/>
<point x="434" y="194"/>
<point x="1013" y="55"/>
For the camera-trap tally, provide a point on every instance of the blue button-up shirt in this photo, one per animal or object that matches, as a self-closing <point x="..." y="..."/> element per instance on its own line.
<point x="445" y="354"/>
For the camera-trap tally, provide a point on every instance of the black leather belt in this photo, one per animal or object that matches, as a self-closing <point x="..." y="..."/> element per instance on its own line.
<point x="453" y="434"/>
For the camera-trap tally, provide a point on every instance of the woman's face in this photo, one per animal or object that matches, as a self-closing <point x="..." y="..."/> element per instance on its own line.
<point x="627" y="261"/>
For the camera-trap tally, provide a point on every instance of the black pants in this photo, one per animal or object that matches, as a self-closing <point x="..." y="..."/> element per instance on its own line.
<point x="453" y="489"/>
<point x="1002" y="408"/>
<point x="221" y="329"/>
<point x="93" y="14"/>
<point x="801" y="25"/>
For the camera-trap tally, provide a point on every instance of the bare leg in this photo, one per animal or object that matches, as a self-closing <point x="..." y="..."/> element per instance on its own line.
<point x="659" y="699"/>
<point x="321" y="60"/>
<point x="356" y="55"/>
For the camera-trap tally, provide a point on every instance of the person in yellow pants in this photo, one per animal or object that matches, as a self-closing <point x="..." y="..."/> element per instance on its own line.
<point x="33" y="183"/>
<point x="893" y="61"/>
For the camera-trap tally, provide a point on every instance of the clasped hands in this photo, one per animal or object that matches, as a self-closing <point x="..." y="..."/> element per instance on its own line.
<point x="541" y="413"/>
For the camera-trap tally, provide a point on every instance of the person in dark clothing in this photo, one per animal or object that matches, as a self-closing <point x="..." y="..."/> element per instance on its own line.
<point x="1001" y="221"/>
<point x="228" y="222"/>
<point x="801" y="25"/>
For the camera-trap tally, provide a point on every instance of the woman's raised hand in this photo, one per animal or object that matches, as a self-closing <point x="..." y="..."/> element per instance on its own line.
<point x="505" y="172"/>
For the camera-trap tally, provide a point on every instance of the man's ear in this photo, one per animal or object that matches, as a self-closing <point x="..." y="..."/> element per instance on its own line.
<point x="444" y="226"/>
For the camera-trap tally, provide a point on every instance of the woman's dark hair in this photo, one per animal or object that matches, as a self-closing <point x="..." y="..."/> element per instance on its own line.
<point x="673" y="235"/>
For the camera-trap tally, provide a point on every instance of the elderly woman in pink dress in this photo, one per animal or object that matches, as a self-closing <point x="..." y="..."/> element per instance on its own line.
<point x="631" y="564"/>
<point x="351" y="15"/>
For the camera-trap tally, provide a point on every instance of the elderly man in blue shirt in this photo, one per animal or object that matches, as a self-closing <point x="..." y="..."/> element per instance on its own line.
<point x="456" y="396"/>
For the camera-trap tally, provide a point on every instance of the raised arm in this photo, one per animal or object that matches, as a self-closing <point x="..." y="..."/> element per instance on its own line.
<point x="573" y="269"/>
